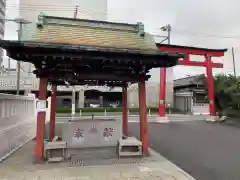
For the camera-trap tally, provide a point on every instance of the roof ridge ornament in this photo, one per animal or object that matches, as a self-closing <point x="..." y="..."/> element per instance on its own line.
<point x="40" y="20"/>
<point x="140" y="29"/>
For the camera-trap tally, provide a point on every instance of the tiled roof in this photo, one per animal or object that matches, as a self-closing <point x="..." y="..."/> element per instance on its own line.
<point x="191" y="80"/>
<point x="86" y="32"/>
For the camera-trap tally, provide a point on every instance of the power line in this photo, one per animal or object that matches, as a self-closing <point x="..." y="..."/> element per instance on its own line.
<point x="52" y="7"/>
<point x="57" y="9"/>
<point x="209" y="35"/>
<point x="60" y="8"/>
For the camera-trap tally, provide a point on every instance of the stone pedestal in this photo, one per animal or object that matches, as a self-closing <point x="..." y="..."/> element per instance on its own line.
<point x="162" y="119"/>
<point x="215" y="118"/>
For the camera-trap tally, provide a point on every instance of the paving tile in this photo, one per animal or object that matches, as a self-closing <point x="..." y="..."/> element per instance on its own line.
<point x="83" y="178"/>
<point x="153" y="178"/>
<point x="31" y="177"/>
<point x="138" y="178"/>
<point x="47" y="177"/>
<point x="139" y="171"/>
<point x="114" y="175"/>
<point x="73" y="178"/>
<point x="130" y="174"/>
<point x="168" y="177"/>
<point x="102" y="177"/>
<point x="16" y="177"/>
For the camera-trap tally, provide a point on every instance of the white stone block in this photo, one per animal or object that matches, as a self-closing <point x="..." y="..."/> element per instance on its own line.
<point x="162" y="119"/>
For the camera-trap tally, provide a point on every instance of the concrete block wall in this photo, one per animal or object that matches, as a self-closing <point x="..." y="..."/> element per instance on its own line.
<point x="91" y="133"/>
<point x="17" y="122"/>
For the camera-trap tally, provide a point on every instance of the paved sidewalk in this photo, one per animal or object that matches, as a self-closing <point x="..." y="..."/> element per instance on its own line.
<point x="149" y="171"/>
<point x="162" y="169"/>
<point x="21" y="166"/>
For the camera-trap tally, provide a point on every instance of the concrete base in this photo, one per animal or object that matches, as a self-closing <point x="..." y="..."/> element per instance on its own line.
<point x="91" y="153"/>
<point x="211" y="119"/>
<point x="215" y="118"/>
<point x="129" y="147"/>
<point x="162" y="119"/>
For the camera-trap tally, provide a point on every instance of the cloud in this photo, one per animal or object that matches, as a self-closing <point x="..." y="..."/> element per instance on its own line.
<point x="219" y="17"/>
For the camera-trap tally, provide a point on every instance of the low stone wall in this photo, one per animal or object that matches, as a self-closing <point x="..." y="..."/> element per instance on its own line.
<point x="17" y="122"/>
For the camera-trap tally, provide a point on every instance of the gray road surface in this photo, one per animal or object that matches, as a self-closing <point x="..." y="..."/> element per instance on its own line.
<point x="205" y="151"/>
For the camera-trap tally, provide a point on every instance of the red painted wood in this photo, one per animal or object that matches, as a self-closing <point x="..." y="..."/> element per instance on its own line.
<point x="208" y="64"/>
<point x="143" y="115"/>
<point x="210" y="82"/>
<point x="52" y="112"/>
<point x="200" y="64"/>
<point x="39" y="146"/>
<point x="191" y="51"/>
<point x="125" y="111"/>
<point x="162" y="95"/>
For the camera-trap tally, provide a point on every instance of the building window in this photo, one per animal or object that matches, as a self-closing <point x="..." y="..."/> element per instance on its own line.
<point x="66" y="102"/>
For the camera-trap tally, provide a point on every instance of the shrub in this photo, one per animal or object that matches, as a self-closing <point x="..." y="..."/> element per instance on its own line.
<point x="108" y="109"/>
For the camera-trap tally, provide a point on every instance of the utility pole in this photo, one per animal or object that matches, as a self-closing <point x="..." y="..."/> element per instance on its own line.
<point x="21" y="22"/>
<point x="73" y="87"/>
<point x="234" y="65"/>
<point x="167" y="29"/>
<point x="73" y="101"/>
<point x="18" y="62"/>
<point x="75" y="12"/>
<point x="9" y="66"/>
<point x="169" y="33"/>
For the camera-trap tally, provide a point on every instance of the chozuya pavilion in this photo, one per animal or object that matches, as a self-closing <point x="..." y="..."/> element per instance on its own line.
<point x="82" y="52"/>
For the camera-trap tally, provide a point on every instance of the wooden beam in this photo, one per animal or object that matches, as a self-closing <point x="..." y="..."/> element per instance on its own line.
<point x="191" y="50"/>
<point x="200" y="64"/>
<point x="111" y="59"/>
<point x="91" y="76"/>
<point x="93" y="83"/>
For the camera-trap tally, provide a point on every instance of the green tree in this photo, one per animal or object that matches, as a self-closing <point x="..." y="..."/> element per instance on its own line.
<point x="227" y="92"/>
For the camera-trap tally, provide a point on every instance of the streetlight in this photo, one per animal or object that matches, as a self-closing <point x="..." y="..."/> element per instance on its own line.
<point x="21" y="22"/>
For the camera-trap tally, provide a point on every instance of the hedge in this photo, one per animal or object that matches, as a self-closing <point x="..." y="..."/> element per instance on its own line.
<point x="118" y="109"/>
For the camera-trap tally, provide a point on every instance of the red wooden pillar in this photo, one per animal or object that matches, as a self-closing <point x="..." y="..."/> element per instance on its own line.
<point x="125" y="111"/>
<point x="143" y="115"/>
<point x="162" y="95"/>
<point x="41" y="115"/>
<point x="52" y="111"/>
<point x="210" y="82"/>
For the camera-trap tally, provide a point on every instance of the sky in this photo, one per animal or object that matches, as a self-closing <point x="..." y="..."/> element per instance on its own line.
<point x="209" y="24"/>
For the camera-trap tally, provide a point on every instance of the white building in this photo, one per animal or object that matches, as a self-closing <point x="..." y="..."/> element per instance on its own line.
<point x="2" y="25"/>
